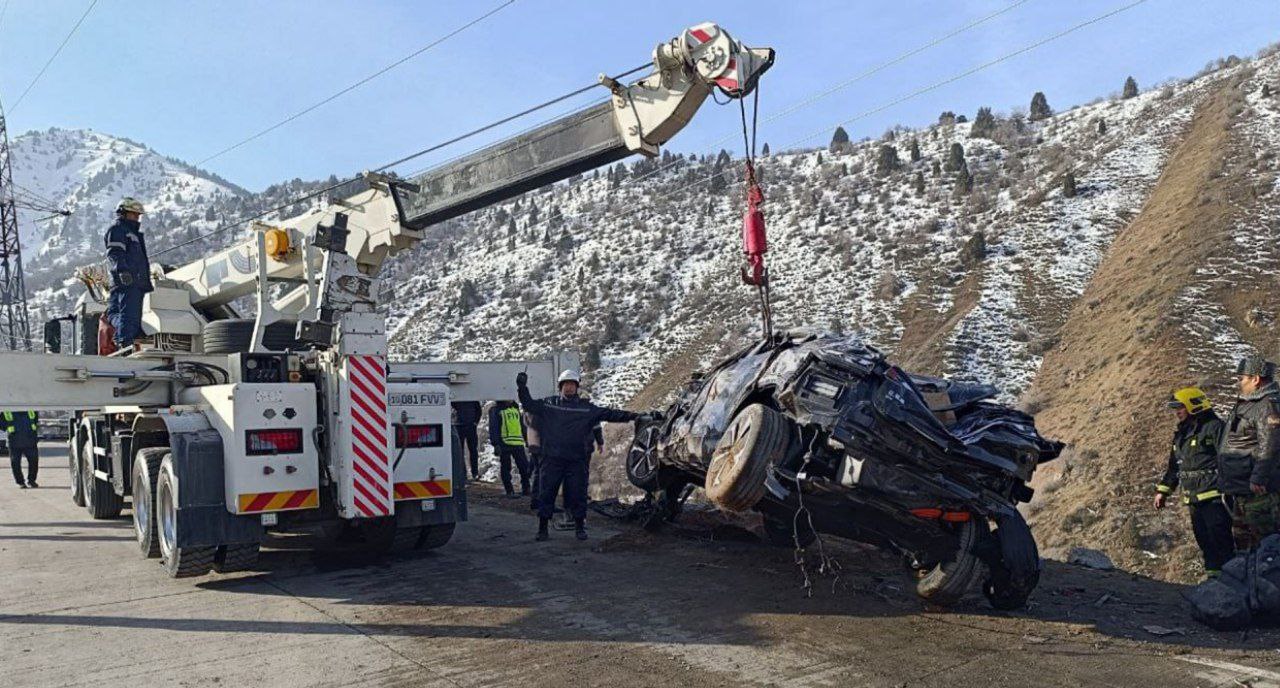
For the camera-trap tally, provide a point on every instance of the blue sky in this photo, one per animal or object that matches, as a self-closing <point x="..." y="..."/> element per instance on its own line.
<point x="190" y="78"/>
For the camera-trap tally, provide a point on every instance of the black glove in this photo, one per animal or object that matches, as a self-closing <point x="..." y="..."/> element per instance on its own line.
<point x="522" y="379"/>
<point x="124" y="278"/>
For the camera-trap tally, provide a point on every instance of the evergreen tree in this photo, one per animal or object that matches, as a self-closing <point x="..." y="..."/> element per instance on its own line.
<point x="819" y="157"/>
<point x="839" y="140"/>
<point x="947" y="117"/>
<point x="936" y="168"/>
<point x="533" y="214"/>
<point x="511" y="242"/>
<point x="511" y="226"/>
<point x="591" y="357"/>
<point x="955" y="158"/>
<point x="1069" y="185"/>
<point x="919" y="183"/>
<point x="961" y="119"/>
<point x="1039" y="107"/>
<point x="765" y="151"/>
<point x="1130" y="89"/>
<point x="964" y="182"/>
<point x="915" y="150"/>
<point x="1266" y="90"/>
<point x="887" y="163"/>
<point x="1102" y="127"/>
<point x="984" y="124"/>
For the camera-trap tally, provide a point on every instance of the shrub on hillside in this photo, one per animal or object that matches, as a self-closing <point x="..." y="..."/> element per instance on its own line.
<point x="1130" y="89"/>
<point x="984" y="124"/>
<point x="1039" y="107"/>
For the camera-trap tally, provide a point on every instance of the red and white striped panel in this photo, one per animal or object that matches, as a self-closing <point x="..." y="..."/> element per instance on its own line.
<point x="370" y="437"/>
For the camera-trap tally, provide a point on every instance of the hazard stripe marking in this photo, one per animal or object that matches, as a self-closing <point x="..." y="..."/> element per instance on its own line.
<point x="372" y="492"/>
<point x="424" y="489"/>
<point x="286" y="500"/>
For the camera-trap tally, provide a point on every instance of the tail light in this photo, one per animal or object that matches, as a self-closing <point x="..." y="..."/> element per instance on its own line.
<point x="936" y="514"/>
<point x="273" y="441"/>
<point x="417" y="436"/>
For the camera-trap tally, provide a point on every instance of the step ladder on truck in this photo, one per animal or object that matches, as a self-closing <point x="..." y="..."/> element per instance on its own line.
<point x="221" y="428"/>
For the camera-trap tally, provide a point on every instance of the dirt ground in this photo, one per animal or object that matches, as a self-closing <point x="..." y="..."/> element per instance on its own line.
<point x="702" y="605"/>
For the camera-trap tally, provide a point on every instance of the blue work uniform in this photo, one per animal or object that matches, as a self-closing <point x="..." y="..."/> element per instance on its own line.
<point x="130" y="279"/>
<point x="566" y="426"/>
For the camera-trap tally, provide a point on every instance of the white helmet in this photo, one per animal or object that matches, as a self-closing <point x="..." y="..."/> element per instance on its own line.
<point x="569" y="376"/>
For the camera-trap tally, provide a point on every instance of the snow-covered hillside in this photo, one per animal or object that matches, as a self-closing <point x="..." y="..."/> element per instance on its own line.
<point x="643" y="264"/>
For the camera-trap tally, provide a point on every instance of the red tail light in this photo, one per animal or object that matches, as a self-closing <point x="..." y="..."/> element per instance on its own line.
<point x="273" y="441"/>
<point x="948" y="516"/>
<point x="416" y="436"/>
<point x="927" y="513"/>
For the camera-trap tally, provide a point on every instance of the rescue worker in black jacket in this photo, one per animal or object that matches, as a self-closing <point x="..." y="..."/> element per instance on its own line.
<point x="1193" y="465"/>
<point x="466" y="416"/>
<point x="23" y="428"/>
<point x="1249" y="455"/>
<point x="130" y="272"/>
<point x="566" y="424"/>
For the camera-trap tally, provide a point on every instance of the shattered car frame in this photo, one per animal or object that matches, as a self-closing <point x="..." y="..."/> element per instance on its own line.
<point x="917" y="465"/>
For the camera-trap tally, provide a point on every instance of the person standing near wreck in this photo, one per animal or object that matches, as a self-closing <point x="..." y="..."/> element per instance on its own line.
<point x="1193" y="465"/>
<point x="566" y="424"/>
<point x="1249" y="454"/>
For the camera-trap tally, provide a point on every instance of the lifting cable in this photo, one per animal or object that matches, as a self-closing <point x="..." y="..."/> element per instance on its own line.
<point x="754" y="242"/>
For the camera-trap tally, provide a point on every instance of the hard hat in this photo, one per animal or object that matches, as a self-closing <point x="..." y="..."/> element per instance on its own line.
<point x="1256" y="365"/>
<point x="569" y="376"/>
<point x="1193" y="399"/>
<point x="129" y="204"/>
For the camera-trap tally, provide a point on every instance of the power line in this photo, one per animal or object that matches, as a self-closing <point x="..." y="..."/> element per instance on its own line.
<point x="54" y="56"/>
<point x="359" y="83"/>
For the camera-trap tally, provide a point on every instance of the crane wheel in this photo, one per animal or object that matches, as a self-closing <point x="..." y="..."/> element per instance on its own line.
<point x="146" y="470"/>
<point x="231" y="558"/>
<point x="100" y="498"/>
<point x="178" y="561"/>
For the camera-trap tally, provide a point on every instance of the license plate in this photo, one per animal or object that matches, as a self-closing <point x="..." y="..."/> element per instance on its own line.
<point x="428" y="505"/>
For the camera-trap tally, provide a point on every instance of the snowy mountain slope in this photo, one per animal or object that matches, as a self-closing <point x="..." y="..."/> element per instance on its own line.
<point x="972" y="285"/>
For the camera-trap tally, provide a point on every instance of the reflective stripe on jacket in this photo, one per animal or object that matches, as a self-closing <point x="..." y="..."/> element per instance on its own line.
<point x="1193" y="460"/>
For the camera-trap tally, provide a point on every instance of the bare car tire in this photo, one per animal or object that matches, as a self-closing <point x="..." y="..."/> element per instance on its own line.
<point x="1010" y="583"/>
<point x="755" y="439"/>
<point x="948" y="581"/>
<point x="146" y="470"/>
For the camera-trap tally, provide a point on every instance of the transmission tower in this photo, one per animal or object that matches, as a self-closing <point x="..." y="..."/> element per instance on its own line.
<point x="15" y="331"/>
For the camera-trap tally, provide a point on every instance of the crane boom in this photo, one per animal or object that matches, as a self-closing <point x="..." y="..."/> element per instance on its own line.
<point x="391" y="214"/>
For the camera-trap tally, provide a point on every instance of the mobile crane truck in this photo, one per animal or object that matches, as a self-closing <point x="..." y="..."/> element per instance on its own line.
<point x="223" y="427"/>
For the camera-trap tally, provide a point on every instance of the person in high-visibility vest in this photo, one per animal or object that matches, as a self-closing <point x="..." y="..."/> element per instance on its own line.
<point x="506" y="434"/>
<point x="23" y="430"/>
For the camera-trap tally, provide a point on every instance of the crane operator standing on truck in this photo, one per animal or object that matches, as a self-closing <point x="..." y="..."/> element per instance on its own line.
<point x="130" y="272"/>
<point x="566" y="424"/>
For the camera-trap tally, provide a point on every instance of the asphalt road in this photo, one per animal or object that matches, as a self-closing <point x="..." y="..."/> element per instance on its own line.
<point x="79" y="607"/>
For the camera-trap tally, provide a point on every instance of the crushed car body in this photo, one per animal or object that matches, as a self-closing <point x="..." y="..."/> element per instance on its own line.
<point x="826" y="426"/>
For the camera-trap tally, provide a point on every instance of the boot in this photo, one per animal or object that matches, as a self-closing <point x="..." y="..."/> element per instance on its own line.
<point x="542" y="535"/>
<point x="580" y="528"/>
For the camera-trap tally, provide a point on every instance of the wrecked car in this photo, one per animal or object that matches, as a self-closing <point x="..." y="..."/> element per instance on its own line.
<point x="822" y="435"/>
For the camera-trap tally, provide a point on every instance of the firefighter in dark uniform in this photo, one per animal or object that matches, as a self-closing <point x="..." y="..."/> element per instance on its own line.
<point x="466" y="416"/>
<point x="506" y="434"/>
<point x="566" y="425"/>
<point x="23" y="429"/>
<point x="1193" y="465"/>
<point x="1249" y="455"/>
<point x="130" y="272"/>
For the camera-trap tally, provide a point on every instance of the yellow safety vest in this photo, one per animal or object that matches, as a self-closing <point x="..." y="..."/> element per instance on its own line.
<point x="511" y="430"/>
<point x="8" y="419"/>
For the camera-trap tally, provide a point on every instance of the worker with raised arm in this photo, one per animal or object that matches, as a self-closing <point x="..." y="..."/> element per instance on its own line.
<point x="130" y="272"/>
<point x="1249" y="454"/>
<point x="23" y="428"/>
<point x="1193" y="465"/>
<point x="566" y="424"/>
<point x="506" y="434"/>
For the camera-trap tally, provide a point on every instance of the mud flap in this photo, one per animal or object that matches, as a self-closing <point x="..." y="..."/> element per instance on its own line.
<point x="203" y="519"/>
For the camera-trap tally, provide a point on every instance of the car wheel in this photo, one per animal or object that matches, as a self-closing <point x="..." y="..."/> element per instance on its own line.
<point x="756" y="438"/>
<point x="783" y="532"/>
<point x="948" y="581"/>
<point x="642" y="460"/>
<point x="1012" y="580"/>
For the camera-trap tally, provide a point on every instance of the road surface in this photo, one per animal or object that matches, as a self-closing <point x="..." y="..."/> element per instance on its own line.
<point x="79" y="607"/>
